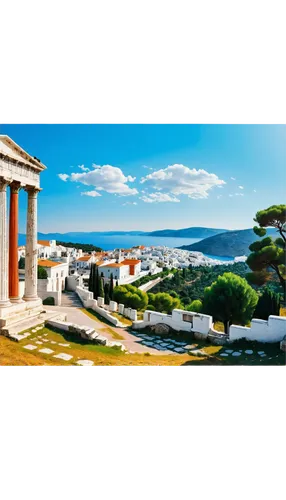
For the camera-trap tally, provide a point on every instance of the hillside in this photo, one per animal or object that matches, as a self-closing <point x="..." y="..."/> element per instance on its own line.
<point x="189" y="232"/>
<point x="229" y="244"/>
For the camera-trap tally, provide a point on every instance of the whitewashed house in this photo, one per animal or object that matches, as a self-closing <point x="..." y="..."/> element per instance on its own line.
<point x="57" y="271"/>
<point x="127" y="270"/>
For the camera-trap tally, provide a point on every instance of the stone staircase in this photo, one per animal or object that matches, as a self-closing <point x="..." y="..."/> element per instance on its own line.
<point x="71" y="299"/>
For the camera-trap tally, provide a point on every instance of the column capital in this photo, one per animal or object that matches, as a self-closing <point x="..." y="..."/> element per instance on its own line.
<point x="4" y="182"/>
<point x="33" y="190"/>
<point x="15" y="187"/>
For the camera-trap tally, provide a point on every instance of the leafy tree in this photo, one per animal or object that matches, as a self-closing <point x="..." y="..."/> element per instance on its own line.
<point x="164" y="302"/>
<point x="42" y="273"/>
<point x="100" y="288"/>
<point x="130" y="296"/>
<point x="106" y="293"/>
<point x="268" y="303"/>
<point x="110" y="292"/>
<point x="21" y="264"/>
<point x="195" y="306"/>
<point x="230" y="299"/>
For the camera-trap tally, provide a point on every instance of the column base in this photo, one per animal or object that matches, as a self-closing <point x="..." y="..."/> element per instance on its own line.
<point x="5" y="303"/>
<point x="16" y="300"/>
<point x="30" y="299"/>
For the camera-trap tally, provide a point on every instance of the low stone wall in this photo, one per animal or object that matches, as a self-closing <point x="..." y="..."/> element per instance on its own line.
<point x="105" y="310"/>
<point x="260" y="330"/>
<point x="201" y="325"/>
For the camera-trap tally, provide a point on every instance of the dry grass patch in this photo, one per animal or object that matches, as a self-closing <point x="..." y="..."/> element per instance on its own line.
<point x="122" y="319"/>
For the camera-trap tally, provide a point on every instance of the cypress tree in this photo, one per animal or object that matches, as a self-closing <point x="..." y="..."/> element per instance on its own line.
<point x="95" y="283"/>
<point x="110" y="292"/>
<point x="106" y="293"/>
<point x="100" y="288"/>
<point x="91" y="278"/>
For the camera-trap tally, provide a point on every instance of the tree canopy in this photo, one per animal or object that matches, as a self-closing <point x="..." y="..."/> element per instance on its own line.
<point x="230" y="299"/>
<point x="130" y="296"/>
<point x="164" y="302"/>
<point x="268" y="255"/>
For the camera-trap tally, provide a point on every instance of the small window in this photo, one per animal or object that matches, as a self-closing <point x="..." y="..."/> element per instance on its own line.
<point x="188" y="318"/>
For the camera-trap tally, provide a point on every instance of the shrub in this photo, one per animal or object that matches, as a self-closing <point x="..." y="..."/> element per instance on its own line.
<point x="42" y="273"/>
<point x="49" y="301"/>
<point x="164" y="302"/>
<point x="268" y="303"/>
<point x="195" y="306"/>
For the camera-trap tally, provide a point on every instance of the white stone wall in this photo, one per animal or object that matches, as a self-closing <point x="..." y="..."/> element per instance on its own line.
<point x="272" y="330"/>
<point x="46" y="288"/>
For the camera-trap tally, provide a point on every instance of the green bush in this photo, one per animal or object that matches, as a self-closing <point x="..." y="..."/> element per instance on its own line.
<point x="195" y="306"/>
<point x="268" y="304"/>
<point x="164" y="302"/>
<point x="42" y="273"/>
<point x="49" y="301"/>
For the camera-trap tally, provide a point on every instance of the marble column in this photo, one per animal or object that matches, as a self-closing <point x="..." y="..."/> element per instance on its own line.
<point x="13" y="243"/>
<point x="31" y="259"/>
<point x="4" y="300"/>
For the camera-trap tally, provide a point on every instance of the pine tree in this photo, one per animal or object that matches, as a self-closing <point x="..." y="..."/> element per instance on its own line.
<point x="106" y="293"/>
<point x="110" y="293"/>
<point x="100" y="288"/>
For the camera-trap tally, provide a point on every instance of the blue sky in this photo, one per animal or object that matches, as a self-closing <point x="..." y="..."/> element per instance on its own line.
<point x="146" y="177"/>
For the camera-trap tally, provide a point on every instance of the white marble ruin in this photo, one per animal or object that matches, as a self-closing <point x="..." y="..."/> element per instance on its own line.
<point x="18" y="170"/>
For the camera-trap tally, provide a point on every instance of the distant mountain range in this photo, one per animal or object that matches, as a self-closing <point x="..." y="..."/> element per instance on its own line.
<point x="91" y="237"/>
<point x="189" y="232"/>
<point x="228" y="244"/>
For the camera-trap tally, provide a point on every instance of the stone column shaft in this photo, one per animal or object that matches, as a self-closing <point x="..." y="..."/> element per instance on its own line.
<point x="4" y="300"/>
<point x="13" y="243"/>
<point x="31" y="259"/>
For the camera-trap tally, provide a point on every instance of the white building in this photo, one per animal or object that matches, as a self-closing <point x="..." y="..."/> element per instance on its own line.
<point x="57" y="271"/>
<point x="127" y="270"/>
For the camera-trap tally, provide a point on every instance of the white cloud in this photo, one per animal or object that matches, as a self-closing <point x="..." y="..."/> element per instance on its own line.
<point x="238" y="194"/>
<point x="233" y="178"/>
<point x="93" y="194"/>
<point x="159" y="198"/>
<point x="129" y="203"/>
<point x="83" y="168"/>
<point x="63" y="177"/>
<point x="254" y="190"/>
<point x="241" y="187"/>
<point x="219" y="196"/>
<point x="178" y="179"/>
<point x="149" y="168"/>
<point x="106" y="178"/>
<point x="230" y="195"/>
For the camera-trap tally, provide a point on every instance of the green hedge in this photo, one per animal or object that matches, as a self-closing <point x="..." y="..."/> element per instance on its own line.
<point x="49" y="301"/>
